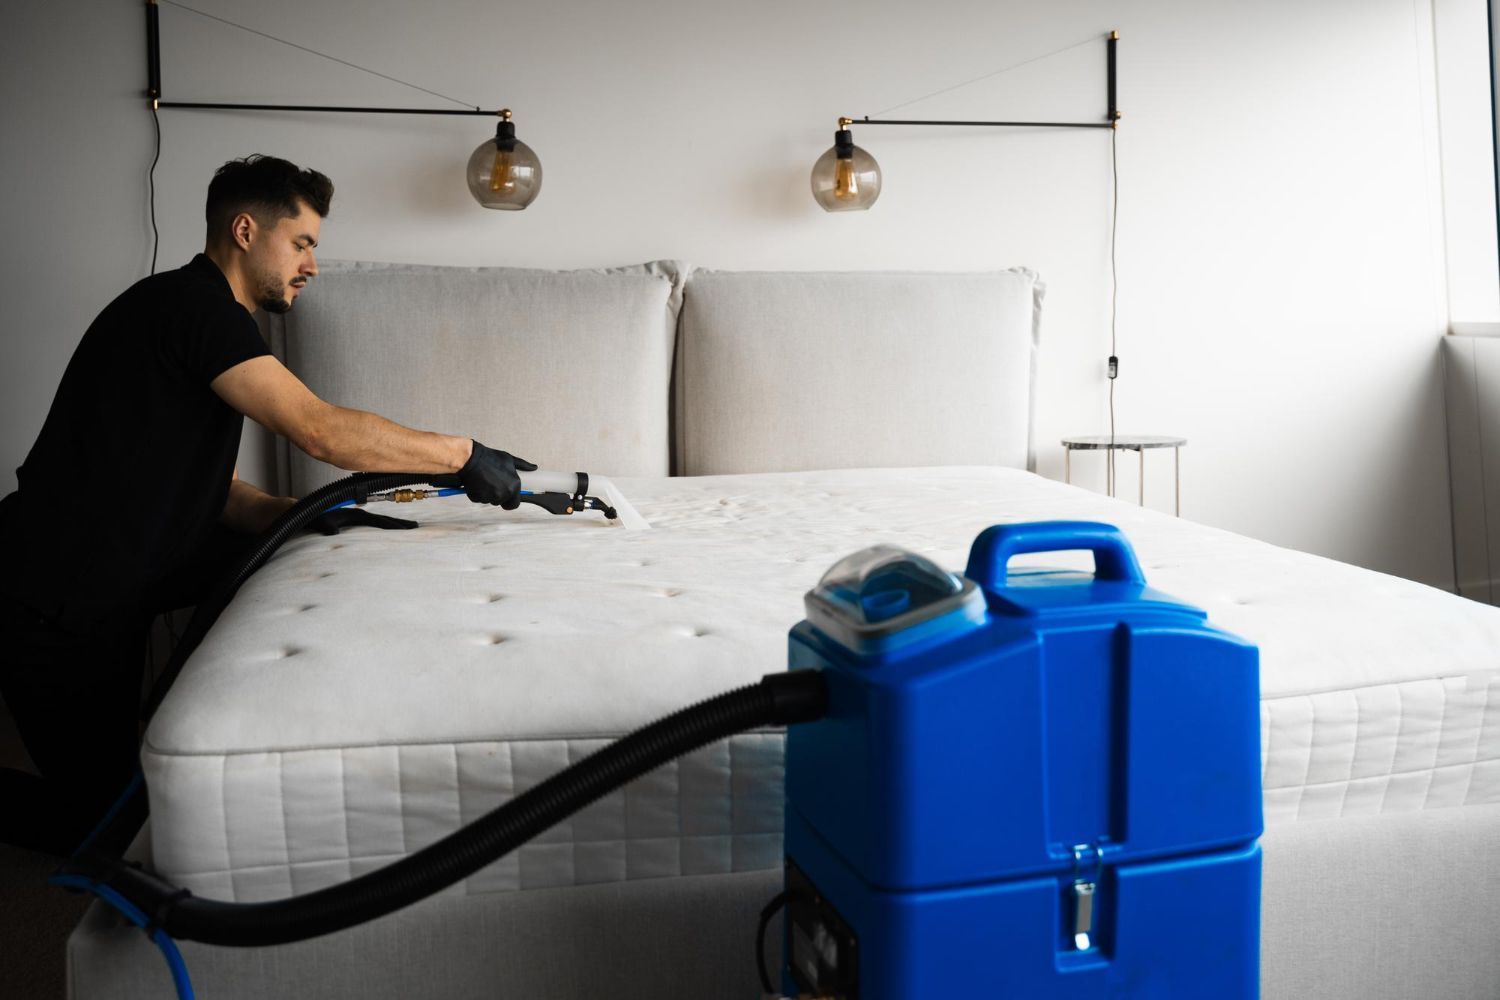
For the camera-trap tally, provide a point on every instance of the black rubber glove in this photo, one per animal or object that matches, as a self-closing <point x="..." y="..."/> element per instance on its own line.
<point x="333" y="521"/>
<point x="489" y="476"/>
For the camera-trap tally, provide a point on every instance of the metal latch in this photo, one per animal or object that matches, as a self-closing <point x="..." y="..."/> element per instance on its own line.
<point x="1083" y="914"/>
<point x="1087" y="859"/>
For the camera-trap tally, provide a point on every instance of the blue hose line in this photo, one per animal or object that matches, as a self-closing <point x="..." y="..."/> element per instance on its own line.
<point x="135" y="786"/>
<point x="435" y="493"/>
<point x="159" y="937"/>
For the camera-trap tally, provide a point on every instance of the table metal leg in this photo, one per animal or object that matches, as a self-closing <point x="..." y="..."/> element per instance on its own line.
<point x="1067" y="465"/>
<point x="1177" y="477"/>
<point x="1142" y="484"/>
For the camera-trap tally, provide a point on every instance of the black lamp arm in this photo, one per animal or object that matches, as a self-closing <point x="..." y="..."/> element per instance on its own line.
<point x="329" y="108"/>
<point x="1112" y="116"/>
<point x="928" y="121"/>
<point x="153" y="52"/>
<point x="1111" y="43"/>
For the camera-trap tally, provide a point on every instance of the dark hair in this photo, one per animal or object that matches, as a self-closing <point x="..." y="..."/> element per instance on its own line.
<point x="270" y="189"/>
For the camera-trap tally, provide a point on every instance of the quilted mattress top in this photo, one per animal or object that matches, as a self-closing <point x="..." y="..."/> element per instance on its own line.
<point x="486" y="625"/>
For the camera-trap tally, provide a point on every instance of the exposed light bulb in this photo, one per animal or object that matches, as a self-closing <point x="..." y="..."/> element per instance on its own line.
<point x="502" y="174"/>
<point x="846" y="181"/>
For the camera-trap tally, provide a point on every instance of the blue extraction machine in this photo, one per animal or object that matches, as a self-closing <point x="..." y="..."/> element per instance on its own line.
<point x="1027" y="783"/>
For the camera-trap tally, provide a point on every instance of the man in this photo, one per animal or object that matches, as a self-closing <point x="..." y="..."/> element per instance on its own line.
<point x="128" y="503"/>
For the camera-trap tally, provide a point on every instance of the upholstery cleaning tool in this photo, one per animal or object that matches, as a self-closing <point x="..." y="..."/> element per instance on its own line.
<point x="554" y="492"/>
<point x="1002" y="784"/>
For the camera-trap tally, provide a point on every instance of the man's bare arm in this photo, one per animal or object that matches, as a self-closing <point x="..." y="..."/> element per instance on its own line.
<point x="263" y="390"/>
<point x="251" y="510"/>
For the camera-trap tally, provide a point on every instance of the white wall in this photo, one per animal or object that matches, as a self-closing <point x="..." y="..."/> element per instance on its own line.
<point x="1281" y="243"/>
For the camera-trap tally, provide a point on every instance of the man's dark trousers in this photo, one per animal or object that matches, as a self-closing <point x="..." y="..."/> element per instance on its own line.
<point x="76" y="697"/>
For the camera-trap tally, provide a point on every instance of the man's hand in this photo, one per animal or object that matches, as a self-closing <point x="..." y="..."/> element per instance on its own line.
<point x="333" y="521"/>
<point x="249" y="510"/>
<point x="489" y="476"/>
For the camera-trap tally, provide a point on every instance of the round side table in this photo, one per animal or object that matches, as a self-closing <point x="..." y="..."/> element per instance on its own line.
<point x="1127" y="442"/>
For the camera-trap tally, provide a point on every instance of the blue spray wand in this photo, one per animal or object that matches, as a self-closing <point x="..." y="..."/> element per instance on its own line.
<point x="554" y="492"/>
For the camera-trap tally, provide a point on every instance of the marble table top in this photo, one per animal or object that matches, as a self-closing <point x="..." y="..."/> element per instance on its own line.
<point x="1127" y="442"/>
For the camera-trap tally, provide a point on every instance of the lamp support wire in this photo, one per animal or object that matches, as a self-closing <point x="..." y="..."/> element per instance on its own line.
<point x="1110" y="121"/>
<point x="153" y="70"/>
<point x="315" y="52"/>
<point x="986" y="76"/>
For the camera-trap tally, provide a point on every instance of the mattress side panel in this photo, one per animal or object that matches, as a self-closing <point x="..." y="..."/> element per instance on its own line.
<point x="253" y="827"/>
<point x="262" y="826"/>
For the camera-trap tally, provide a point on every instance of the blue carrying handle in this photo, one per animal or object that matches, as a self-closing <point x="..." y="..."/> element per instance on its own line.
<point x="1114" y="559"/>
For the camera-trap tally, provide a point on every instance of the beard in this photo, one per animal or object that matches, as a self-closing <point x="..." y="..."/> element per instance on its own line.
<point x="270" y="294"/>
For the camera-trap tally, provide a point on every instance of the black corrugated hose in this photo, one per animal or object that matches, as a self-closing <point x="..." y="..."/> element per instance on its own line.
<point x="778" y="699"/>
<point x="354" y="487"/>
<point x="115" y="833"/>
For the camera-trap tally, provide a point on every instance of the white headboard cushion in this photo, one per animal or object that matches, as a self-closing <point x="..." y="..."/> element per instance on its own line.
<point x="569" y="369"/>
<point x="787" y="371"/>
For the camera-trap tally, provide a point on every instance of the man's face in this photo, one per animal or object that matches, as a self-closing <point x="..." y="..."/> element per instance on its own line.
<point x="281" y="259"/>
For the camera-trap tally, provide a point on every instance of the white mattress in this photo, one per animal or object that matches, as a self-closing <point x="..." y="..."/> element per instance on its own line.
<point x="365" y="694"/>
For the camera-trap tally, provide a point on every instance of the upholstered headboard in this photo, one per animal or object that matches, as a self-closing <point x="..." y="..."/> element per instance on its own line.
<point x="774" y="371"/>
<point x="785" y="371"/>
<point x="567" y="368"/>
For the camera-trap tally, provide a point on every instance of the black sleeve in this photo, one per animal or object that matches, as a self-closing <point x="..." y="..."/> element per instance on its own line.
<point x="212" y="337"/>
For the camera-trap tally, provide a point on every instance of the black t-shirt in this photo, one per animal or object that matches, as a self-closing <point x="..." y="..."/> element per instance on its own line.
<point x="132" y="467"/>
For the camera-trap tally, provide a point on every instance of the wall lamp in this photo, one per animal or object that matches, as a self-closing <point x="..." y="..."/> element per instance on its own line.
<point x="502" y="172"/>
<point x="846" y="178"/>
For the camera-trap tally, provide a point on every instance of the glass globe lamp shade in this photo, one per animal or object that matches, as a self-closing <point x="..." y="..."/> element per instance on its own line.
<point x="503" y="172"/>
<point x="846" y="178"/>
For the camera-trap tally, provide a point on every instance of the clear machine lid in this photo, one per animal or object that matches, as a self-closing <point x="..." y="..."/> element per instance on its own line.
<point x="883" y="582"/>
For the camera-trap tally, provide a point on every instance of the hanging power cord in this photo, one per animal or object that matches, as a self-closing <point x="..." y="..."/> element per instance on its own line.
<point x="767" y="914"/>
<point x="1114" y="294"/>
<point x="151" y="178"/>
<point x="1113" y="359"/>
